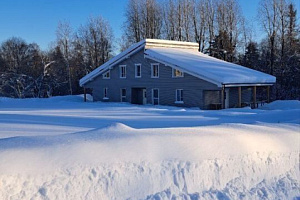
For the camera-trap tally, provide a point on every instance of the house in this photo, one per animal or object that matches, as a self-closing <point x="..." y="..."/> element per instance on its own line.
<point x="176" y="74"/>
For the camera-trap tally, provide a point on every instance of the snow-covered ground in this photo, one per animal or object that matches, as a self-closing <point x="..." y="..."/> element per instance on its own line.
<point x="63" y="148"/>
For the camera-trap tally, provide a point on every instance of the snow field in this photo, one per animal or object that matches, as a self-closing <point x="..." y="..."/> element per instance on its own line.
<point x="62" y="148"/>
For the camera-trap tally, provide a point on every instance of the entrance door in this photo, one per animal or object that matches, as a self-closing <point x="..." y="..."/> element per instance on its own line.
<point x="226" y="97"/>
<point x="138" y="96"/>
<point x="144" y="96"/>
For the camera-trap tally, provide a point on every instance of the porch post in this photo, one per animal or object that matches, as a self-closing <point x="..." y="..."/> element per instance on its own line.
<point x="254" y="96"/>
<point x="240" y="97"/>
<point x="223" y="96"/>
<point x="84" y="94"/>
<point x="268" y="94"/>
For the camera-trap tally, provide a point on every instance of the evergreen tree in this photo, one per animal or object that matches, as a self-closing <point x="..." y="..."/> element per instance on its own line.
<point x="252" y="57"/>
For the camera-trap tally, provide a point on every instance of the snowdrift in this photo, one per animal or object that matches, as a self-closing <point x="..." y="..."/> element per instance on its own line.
<point x="67" y="149"/>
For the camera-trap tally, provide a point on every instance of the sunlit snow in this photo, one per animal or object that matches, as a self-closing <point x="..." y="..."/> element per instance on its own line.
<point x="64" y="148"/>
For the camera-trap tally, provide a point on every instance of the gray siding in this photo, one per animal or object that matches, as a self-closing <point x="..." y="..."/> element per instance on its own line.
<point x="193" y="87"/>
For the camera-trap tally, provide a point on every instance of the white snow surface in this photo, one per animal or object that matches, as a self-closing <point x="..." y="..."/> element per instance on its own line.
<point x="209" y="67"/>
<point x="63" y="148"/>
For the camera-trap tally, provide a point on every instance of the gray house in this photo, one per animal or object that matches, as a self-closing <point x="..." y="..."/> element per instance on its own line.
<point x="176" y="74"/>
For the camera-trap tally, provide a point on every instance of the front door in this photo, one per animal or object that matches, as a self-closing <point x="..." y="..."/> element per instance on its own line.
<point x="226" y="97"/>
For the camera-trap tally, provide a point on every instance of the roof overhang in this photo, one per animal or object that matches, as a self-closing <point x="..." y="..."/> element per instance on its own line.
<point x="247" y="84"/>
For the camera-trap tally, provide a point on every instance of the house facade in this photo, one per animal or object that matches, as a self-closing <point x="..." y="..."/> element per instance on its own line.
<point x="161" y="72"/>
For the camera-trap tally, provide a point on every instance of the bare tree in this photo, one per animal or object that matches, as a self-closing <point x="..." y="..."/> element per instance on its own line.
<point x="96" y="37"/>
<point x="210" y="7"/>
<point x="229" y="23"/>
<point x="64" y="42"/>
<point x="143" y="20"/>
<point x="199" y="22"/>
<point x="267" y="13"/>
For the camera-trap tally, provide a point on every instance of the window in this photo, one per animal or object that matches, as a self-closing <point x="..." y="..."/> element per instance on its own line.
<point x="138" y="70"/>
<point x="106" y="75"/>
<point x="154" y="70"/>
<point x="179" y="96"/>
<point x="122" y="71"/>
<point x="123" y="95"/>
<point x="177" y="73"/>
<point x="105" y="96"/>
<point x="155" y="96"/>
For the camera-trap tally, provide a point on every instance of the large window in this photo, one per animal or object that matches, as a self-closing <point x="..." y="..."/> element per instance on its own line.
<point x="122" y="71"/>
<point x="138" y="70"/>
<point x="105" y="93"/>
<point x="177" y="73"/>
<point x="155" y="96"/>
<point x="154" y="70"/>
<point x="106" y="75"/>
<point x="179" y="96"/>
<point x="123" y="95"/>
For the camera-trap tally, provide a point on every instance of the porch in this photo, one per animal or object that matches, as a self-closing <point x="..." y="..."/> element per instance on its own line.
<point x="238" y="96"/>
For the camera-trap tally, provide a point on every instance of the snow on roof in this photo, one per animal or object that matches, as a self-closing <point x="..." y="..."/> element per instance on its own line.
<point x="207" y="67"/>
<point x="184" y="56"/>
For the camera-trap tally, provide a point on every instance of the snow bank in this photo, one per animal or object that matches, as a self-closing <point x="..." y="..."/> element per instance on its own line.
<point x="282" y="105"/>
<point x="122" y="151"/>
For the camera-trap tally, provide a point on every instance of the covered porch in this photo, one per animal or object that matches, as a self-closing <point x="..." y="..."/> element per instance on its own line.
<point x="241" y="95"/>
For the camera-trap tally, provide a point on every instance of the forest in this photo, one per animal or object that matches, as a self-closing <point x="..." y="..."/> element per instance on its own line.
<point x="217" y="25"/>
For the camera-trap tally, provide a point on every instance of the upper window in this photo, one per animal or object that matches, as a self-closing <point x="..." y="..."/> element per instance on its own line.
<point x="154" y="70"/>
<point x="122" y="71"/>
<point x="106" y="75"/>
<point x="179" y="96"/>
<point x="138" y="70"/>
<point x="177" y="73"/>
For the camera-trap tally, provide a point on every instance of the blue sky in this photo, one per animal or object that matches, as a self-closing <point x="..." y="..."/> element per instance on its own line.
<point x="36" y="20"/>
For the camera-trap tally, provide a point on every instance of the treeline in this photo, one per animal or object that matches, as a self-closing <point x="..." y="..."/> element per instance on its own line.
<point x="26" y="71"/>
<point x="217" y="25"/>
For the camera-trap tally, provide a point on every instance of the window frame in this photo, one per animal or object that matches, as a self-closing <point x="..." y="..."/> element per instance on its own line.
<point x="120" y="69"/>
<point x="157" y="96"/>
<point x="104" y="75"/>
<point x="121" y="94"/>
<point x="152" y="67"/>
<point x="135" y="73"/>
<point x="180" y="100"/>
<point x="173" y="73"/>
<point x="105" y="93"/>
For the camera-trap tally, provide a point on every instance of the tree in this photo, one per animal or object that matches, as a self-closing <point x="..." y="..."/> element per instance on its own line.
<point x="229" y="23"/>
<point x="64" y="42"/>
<point x="97" y="40"/>
<point x="54" y="80"/>
<point x="267" y="13"/>
<point x="252" y="57"/>
<point x="13" y="52"/>
<point x="143" y="20"/>
<point x="178" y="18"/>
<point x="200" y="22"/>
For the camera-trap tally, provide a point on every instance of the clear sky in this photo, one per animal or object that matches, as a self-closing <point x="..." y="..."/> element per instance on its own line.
<point x="36" y="20"/>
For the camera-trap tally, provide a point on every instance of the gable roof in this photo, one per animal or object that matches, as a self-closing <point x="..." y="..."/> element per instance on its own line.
<point x="184" y="56"/>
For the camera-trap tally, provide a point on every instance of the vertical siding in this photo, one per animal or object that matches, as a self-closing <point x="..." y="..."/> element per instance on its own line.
<point x="192" y="87"/>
